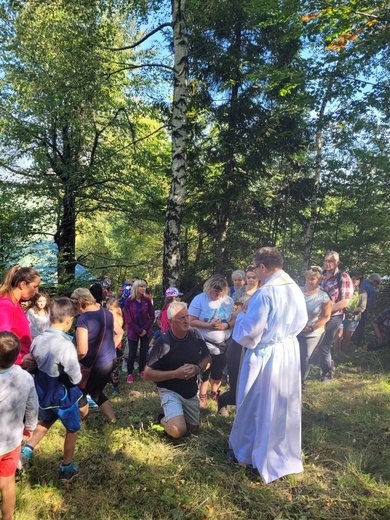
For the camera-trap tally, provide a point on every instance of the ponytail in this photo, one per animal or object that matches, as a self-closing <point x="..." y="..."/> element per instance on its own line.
<point x="14" y="277"/>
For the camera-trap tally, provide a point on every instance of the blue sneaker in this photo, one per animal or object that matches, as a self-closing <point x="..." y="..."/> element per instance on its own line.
<point x="25" y="459"/>
<point x="67" y="473"/>
<point x="91" y="402"/>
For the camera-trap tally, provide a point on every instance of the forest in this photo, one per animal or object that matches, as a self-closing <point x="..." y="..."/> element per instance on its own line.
<point x="169" y="140"/>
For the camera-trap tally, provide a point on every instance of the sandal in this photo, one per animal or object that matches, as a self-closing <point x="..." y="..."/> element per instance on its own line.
<point x="215" y="395"/>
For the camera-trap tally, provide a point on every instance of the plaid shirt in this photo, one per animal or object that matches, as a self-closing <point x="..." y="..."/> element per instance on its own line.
<point x="332" y="288"/>
<point x="383" y="322"/>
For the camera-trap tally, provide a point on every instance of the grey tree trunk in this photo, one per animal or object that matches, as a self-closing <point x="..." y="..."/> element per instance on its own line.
<point x="176" y="200"/>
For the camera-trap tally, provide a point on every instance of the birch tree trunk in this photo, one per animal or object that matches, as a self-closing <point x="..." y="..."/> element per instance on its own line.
<point x="176" y="200"/>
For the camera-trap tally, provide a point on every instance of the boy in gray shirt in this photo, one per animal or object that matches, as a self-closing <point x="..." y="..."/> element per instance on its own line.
<point x="58" y="373"/>
<point x="18" y="416"/>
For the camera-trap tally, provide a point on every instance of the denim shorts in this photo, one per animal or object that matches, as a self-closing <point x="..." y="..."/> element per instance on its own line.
<point x="174" y="404"/>
<point x="350" y="325"/>
<point x="69" y="417"/>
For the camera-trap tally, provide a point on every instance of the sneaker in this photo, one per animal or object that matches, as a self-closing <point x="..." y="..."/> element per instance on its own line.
<point x="203" y="400"/>
<point x="25" y="459"/>
<point x="91" y="402"/>
<point x="223" y="411"/>
<point x="230" y="457"/>
<point x="326" y="379"/>
<point x="130" y="378"/>
<point x="67" y="473"/>
<point x="157" y="418"/>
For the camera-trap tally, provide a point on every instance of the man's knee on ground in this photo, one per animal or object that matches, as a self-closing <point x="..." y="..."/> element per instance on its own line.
<point x="175" y="427"/>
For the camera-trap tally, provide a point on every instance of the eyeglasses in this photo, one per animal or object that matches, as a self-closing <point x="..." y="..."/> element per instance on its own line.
<point x="329" y="261"/>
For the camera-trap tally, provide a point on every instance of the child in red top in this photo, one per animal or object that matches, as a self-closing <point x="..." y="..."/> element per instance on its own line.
<point x="171" y="295"/>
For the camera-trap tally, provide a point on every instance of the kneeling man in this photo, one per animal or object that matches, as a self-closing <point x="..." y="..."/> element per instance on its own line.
<point x="174" y="363"/>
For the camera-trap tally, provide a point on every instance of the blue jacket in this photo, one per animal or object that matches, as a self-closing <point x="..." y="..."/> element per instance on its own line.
<point x="58" y="370"/>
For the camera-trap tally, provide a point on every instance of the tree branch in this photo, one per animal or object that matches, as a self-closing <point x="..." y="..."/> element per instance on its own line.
<point x="144" y="38"/>
<point x="130" y="67"/>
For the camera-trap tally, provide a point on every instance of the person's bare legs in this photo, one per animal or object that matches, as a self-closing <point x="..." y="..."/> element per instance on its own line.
<point x="215" y="384"/>
<point x="347" y="341"/>
<point x="175" y="427"/>
<point x="338" y="342"/>
<point x="84" y="410"/>
<point x="108" y="411"/>
<point x="8" y="497"/>
<point x="203" y="387"/>
<point x="39" y="432"/>
<point x="69" y="446"/>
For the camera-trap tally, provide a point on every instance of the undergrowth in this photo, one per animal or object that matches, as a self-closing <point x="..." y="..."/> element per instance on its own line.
<point x="132" y="470"/>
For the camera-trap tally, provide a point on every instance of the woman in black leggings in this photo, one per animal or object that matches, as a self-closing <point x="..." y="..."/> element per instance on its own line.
<point x="95" y="348"/>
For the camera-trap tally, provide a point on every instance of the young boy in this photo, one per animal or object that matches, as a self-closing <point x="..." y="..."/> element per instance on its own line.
<point x="18" y="416"/>
<point x="58" y="371"/>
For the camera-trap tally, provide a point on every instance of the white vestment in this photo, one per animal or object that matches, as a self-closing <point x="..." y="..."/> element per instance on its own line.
<point x="266" y="432"/>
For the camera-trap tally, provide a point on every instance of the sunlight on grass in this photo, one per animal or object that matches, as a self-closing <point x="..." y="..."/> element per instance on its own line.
<point x="132" y="471"/>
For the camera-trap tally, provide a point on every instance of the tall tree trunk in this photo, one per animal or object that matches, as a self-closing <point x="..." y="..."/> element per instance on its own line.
<point x="176" y="200"/>
<point x="309" y="236"/>
<point x="65" y="238"/>
<point x="230" y="166"/>
<point x="67" y="170"/>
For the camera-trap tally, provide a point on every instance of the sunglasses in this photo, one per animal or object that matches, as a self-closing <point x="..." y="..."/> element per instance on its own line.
<point x="315" y="269"/>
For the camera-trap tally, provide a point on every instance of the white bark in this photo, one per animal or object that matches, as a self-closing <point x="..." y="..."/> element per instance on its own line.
<point x="176" y="200"/>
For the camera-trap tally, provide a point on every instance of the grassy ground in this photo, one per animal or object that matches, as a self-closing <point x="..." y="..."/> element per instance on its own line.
<point x="131" y="470"/>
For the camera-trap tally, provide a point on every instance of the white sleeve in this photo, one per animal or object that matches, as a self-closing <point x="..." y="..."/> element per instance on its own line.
<point x="250" y="326"/>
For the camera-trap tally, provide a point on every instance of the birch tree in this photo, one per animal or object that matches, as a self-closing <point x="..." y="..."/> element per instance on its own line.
<point x="176" y="201"/>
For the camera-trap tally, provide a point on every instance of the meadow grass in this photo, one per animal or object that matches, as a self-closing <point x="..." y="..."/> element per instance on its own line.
<point x="132" y="470"/>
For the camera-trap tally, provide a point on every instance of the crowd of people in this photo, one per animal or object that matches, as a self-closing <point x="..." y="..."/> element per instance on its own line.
<point x="264" y="332"/>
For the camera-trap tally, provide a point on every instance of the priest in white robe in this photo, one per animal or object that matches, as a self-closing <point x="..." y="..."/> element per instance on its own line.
<point x="266" y="432"/>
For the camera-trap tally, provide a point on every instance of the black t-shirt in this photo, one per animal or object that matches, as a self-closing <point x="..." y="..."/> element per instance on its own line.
<point x="163" y="356"/>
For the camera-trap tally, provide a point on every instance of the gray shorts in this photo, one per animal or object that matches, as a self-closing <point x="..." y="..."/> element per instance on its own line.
<point x="174" y="404"/>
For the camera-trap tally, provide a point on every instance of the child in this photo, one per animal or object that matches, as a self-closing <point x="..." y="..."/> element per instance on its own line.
<point x="58" y="371"/>
<point x="18" y="401"/>
<point x="114" y="307"/>
<point x="171" y="295"/>
<point x="38" y="314"/>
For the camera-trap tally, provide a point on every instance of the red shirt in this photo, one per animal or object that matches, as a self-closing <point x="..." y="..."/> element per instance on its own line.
<point x="165" y="325"/>
<point x="13" y="319"/>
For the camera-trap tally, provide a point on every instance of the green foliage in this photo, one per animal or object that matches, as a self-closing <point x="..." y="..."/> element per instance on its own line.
<point x="70" y="128"/>
<point x="19" y="231"/>
<point x="83" y="157"/>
